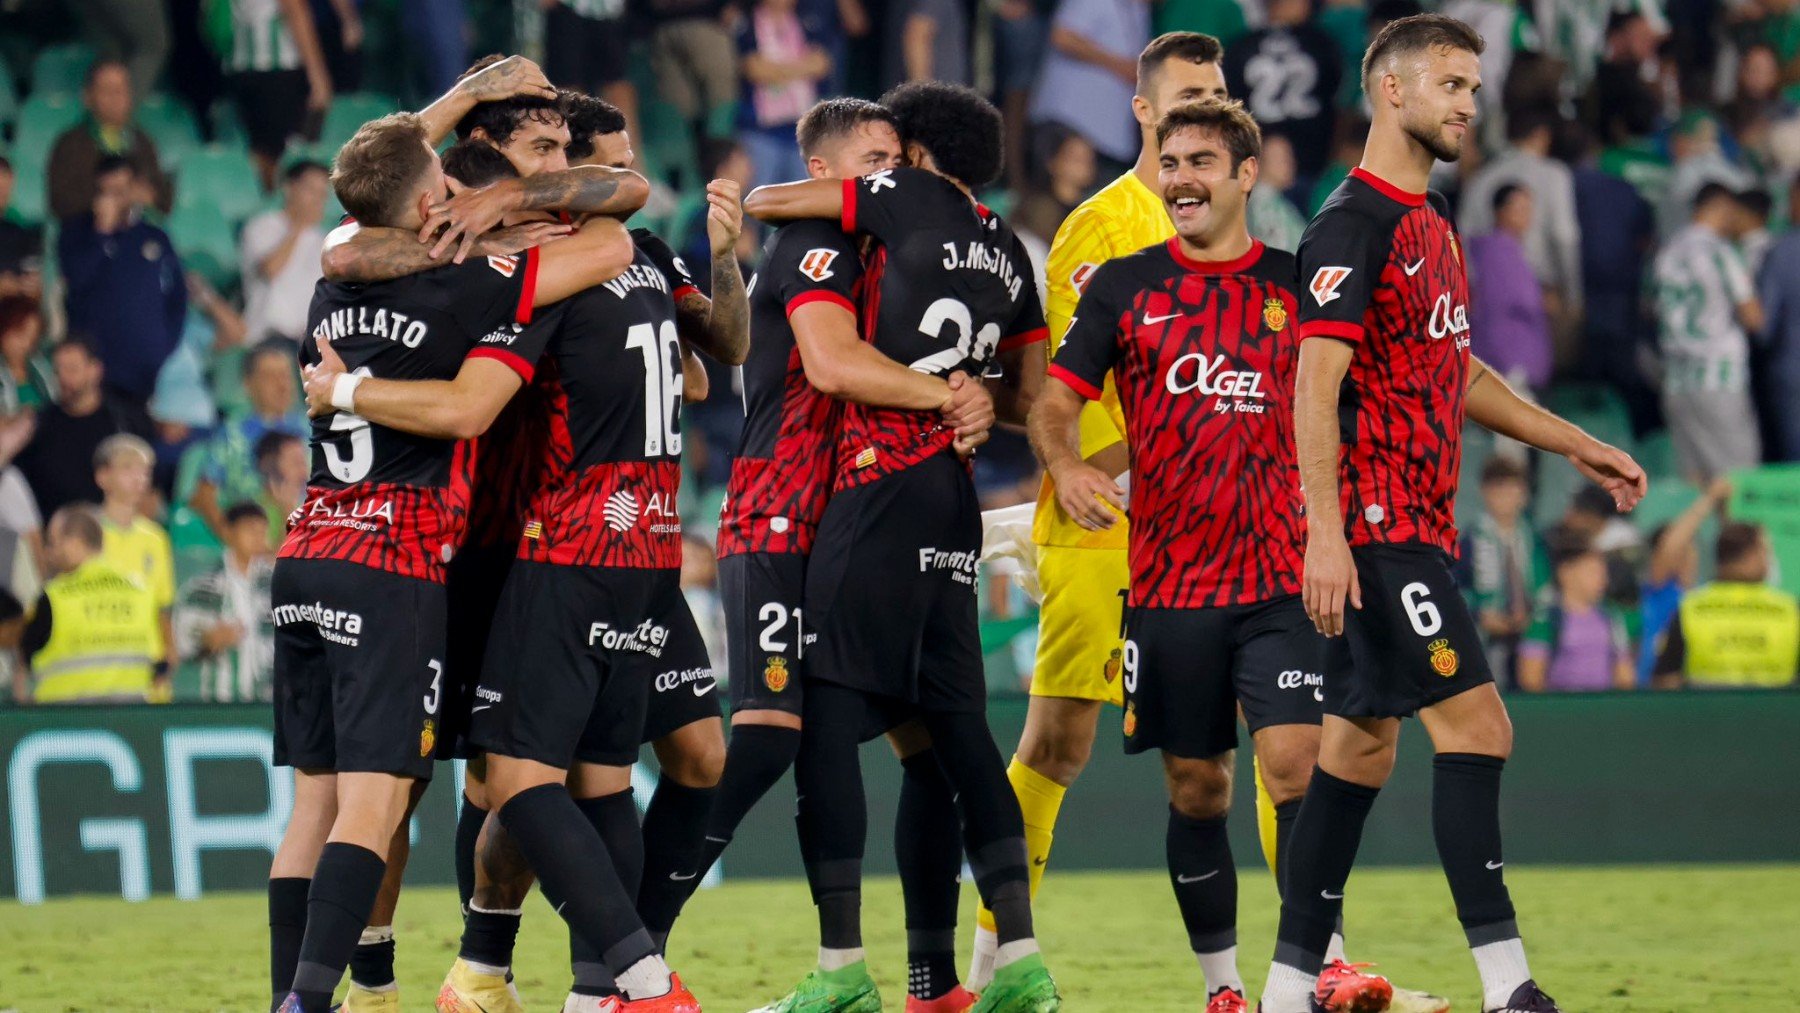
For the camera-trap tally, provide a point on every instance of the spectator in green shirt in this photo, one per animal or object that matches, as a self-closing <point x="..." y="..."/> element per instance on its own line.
<point x="1576" y="642"/>
<point x="26" y="379"/>
<point x="1501" y="564"/>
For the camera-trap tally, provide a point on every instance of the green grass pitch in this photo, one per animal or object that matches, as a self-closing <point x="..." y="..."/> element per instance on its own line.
<point x="1649" y="939"/>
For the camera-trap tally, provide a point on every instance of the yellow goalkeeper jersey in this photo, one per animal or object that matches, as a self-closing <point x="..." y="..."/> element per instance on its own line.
<point x="1121" y="219"/>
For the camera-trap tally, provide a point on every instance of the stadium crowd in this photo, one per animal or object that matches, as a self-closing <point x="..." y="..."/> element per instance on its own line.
<point x="1629" y="218"/>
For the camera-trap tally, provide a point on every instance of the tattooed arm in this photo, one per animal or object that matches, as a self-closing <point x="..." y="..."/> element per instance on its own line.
<point x="359" y="254"/>
<point x="728" y="322"/>
<point x="586" y="190"/>
<point x="511" y="77"/>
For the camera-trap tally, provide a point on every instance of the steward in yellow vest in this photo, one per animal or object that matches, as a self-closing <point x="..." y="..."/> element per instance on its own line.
<point x="1737" y="630"/>
<point x="94" y="635"/>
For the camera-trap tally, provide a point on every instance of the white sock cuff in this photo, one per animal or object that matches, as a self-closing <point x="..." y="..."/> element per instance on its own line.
<point x="375" y="934"/>
<point x="1289" y="989"/>
<point x="837" y="960"/>
<point x="487" y="969"/>
<point x="511" y="911"/>
<point x="1503" y="969"/>
<point x="1014" y="951"/>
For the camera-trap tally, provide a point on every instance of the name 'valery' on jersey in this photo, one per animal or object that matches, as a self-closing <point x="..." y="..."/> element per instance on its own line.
<point x="980" y="256"/>
<point x="637" y="276"/>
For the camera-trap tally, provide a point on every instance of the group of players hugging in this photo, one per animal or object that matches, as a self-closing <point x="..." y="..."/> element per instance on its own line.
<point x="486" y="566"/>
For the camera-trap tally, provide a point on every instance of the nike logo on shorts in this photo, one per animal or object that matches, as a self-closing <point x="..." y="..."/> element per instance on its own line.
<point x="708" y="688"/>
<point x="679" y="878"/>
<point x="1195" y="879"/>
<point x="1494" y="865"/>
<point x="1328" y="895"/>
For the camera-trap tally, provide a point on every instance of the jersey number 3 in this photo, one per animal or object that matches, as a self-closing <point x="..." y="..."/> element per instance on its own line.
<point x="662" y="386"/>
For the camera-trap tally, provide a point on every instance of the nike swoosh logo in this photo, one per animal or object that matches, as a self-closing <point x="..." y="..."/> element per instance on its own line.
<point x="1150" y="321"/>
<point x="477" y="710"/>
<point x="1494" y="865"/>
<point x="709" y="688"/>
<point x="1196" y="879"/>
<point x="718" y="840"/>
<point x="679" y="878"/>
<point x="1319" y="695"/>
<point x="1328" y="895"/>
<point x="1040" y="860"/>
<point x="1413" y="268"/>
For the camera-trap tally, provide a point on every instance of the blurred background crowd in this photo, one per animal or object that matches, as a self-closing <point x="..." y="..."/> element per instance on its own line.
<point x="1628" y="218"/>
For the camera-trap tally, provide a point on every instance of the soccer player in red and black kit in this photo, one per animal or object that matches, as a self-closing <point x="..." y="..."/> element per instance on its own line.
<point x="1384" y="383"/>
<point x="359" y="681"/>
<point x="890" y="584"/>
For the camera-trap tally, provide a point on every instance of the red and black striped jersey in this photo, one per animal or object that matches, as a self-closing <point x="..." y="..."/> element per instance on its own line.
<point x="1203" y="354"/>
<point x="610" y="468"/>
<point x="1383" y="270"/>
<point x="946" y="287"/>
<point x="781" y="476"/>
<point x="377" y="496"/>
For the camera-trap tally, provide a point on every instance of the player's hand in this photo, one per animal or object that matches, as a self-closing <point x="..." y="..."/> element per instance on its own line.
<point x="724" y="216"/>
<point x="1613" y="470"/>
<point x="969" y="410"/>
<point x="512" y="77"/>
<point x="1329" y="580"/>
<point x="462" y="219"/>
<point x="519" y="238"/>
<point x="319" y="379"/>
<point x="1089" y="495"/>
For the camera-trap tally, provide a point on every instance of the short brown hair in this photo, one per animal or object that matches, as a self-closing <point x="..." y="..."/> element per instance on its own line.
<point x="1737" y="540"/>
<point x="1226" y="117"/>
<point x="838" y="117"/>
<point x="376" y="171"/>
<point x="1193" y="47"/>
<point x="81" y="522"/>
<point x="1503" y="469"/>
<point x="1416" y="33"/>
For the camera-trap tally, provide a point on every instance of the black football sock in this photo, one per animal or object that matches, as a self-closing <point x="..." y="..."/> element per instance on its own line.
<point x="1321" y="851"/>
<point x="832" y="812"/>
<point x="337" y="908"/>
<point x="1285" y="815"/>
<point x="468" y="831"/>
<point x="928" y="850"/>
<point x="1204" y="876"/>
<point x="577" y="874"/>
<point x="674" y="836"/>
<point x="1465" y="819"/>
<point x="755" y="759"/>
<point x="372" y="963"/>
<point x="287" y="925"/>
<point x="993" y="829"/>
<point x="615" y="818"/>
<point x="489" y="936"/>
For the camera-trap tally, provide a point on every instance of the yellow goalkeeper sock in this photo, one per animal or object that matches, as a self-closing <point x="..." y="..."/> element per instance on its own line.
<point x="1265" y="820"/>
<point x="1039" y="801"/>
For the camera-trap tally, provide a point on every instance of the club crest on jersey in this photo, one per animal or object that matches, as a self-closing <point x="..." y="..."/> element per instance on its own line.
<point x="427" y="738"/>
<point x="506" y="265"/>
<point x="1443" y="658"/>
<point x="816" y="264"/>
<point x="1325" y="282"/>
<point x="1110" y="670"/>
<point x="1275" y="315"/>
<point x="1130" y="719"/>
<point x="1078" y="278"/>
<point x="775" y="674"/>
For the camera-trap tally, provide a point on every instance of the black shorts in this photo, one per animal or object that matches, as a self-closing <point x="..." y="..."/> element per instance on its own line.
<point x="359" y="675"/>
<point x="1188" y="670"/>
<point x="683" y="688"/>
<point x="1412" y="644"/>
<point x="765" y="636"/>
<point x="559" y="683"/>
<point x="271" y="106"/>
<point x="475" y="578"/>
<point x="890" y="589"/>
<point x="585" y="53"/>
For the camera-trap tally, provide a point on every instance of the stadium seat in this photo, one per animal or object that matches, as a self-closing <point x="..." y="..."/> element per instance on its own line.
<point x="349" y="112"/>
<point x="1557" y="481"/>
<point x="60" y="70"/>
<point x="1597" y="409"/>
<point x="29" y="194"/>
<point x="206" y="242"/>
<point x="1667" y="498"/>
<point x="41" y="120"/>
<point x="1656" y="453"/>
<point x="220" y="179"/>
<point x="171" y="125"/>
<point x="9" y="93"/>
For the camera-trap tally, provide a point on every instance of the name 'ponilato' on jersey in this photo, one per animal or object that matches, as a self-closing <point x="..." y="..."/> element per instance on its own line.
<point x="947" y="287"/>
<point x="781" y="477"/>
<point x="1382" y="268"/>
<point x="377" y="496"/>
<point x="611" y="387"/>
<point x="1203" y="355"/>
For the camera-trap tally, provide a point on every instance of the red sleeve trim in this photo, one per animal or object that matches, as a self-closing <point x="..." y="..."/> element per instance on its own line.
<point x="1331" y="329"/>
<point x="1076" y="383"/>
<point x="527" y="293"/>
<point x="1023" y="338"/>
<point x="820" y="295"/>
<point x="683" y="291"/>
<point x="848" y="222"/>
<point x="511" y="360"/>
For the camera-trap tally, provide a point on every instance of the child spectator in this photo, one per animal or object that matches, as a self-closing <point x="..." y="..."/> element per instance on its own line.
<point x="133" y="544"/>
<point x="1502" y="564"/>
<point x="222" y="619"/>
<point x="1576" y="643"/>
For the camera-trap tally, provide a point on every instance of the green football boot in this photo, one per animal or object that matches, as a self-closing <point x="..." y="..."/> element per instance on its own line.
<point x="1023" y="986"/>
<point x="845" y="990"/>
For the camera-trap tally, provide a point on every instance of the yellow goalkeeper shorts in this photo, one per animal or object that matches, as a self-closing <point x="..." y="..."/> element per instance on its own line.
<point x="1081" y="623"/>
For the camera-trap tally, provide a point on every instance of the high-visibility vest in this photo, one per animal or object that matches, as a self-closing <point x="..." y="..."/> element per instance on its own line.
<point x="105" y="636"/>
<point x="1740" y="634"/>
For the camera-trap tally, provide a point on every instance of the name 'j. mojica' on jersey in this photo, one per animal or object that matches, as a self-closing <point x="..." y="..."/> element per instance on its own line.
<point x="979" y="256"/>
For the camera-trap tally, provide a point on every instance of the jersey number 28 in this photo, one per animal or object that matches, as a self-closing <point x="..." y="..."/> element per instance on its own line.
<point x="970" y="344"/>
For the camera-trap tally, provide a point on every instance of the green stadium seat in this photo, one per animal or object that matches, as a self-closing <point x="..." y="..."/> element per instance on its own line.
<point x="220" y="179"/>
<point x="1557" y="481"/>
<point x="206" y="242"/>
<point x="171" y="125"/>
<point x="348" y="113"/>
<point x="60" y="70"/>
<point x="1667" y="498"/>
<point x="29" y="194"/>
<point x="9" y="93"/>
<point x="1656" y="452"/>
<point x="1597" y="409"/>
<point x="41" y="120"/>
